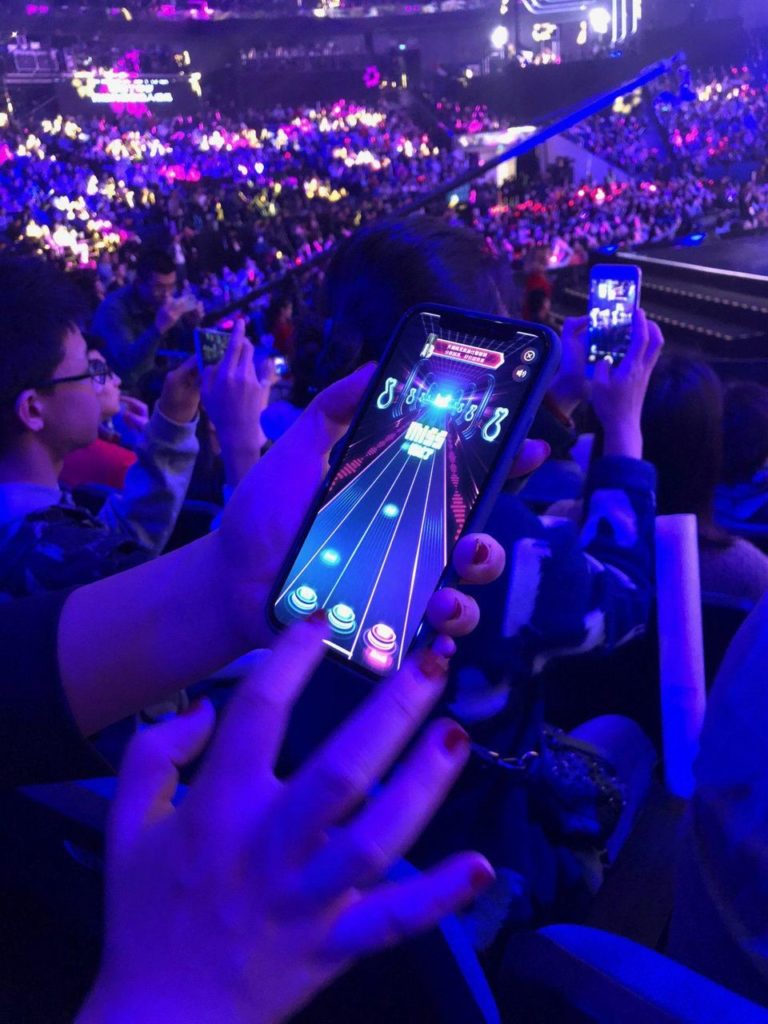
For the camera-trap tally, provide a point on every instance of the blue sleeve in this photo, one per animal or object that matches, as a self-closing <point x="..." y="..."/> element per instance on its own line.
<point x="562" y="592"/>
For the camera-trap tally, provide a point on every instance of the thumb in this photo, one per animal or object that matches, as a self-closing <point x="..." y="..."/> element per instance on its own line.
<point x="150" y="773"/>
<point x="602" y="376"/>
<point x="329" y="414"/>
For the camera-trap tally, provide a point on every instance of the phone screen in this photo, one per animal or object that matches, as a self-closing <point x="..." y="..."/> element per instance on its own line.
<point x="612" y="304"/>
<point x="409" y="477"/>
<point x="211" y="345"/>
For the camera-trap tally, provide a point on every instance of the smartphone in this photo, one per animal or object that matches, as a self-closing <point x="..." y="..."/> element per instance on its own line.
<point x="614" y="295"/>
<point x="210" y="346"/>
<point x="281" y="366"/>
<point x="422" y="463"/>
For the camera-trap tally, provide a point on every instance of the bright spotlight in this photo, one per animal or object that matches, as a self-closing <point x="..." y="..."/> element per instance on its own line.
<point x="499" y="37"/>
<point x="599" y="20"/>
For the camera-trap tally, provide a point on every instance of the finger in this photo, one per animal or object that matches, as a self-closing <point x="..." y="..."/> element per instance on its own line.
<point x="655" y="344"/>
<point x="602" y="375"/>
<point x="334" y="781"/>
<point x="444" y="646"/>
<point x="359" y="855"/>
<point x="479" y="558"/>
<point x="638" y="339"/>
<point x="150" y="772"/>
<point x="208" y="380"/>
<point x="398" y="911"/>
<point x="451" y="612"/>
<point x="134" y="405"/>
<point x="245" y="364"/>
<point x="189" y="369"/>
<point x="575" y="325"/>
<point x="231" y="357"/>
<point x="249" y="738"/>
<point x="533" y="454"/>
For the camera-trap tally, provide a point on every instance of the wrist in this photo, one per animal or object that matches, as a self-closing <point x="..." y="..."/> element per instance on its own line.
<point x="178" y="413"/>
<point x="623" y="440"/>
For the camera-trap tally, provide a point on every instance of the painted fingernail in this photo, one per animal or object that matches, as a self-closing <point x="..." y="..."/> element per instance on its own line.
<point x="319" y="615"/>
<point x="481" y="877"/>
<point x="482" y="553"/>
<point x="456" y="611"/>
<point x="432" y="665"/>
<point x="455" y="739"/>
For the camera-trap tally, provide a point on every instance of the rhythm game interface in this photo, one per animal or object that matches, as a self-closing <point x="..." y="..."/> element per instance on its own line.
<point x="408" y="482"/>
<point x="612" y="306"/>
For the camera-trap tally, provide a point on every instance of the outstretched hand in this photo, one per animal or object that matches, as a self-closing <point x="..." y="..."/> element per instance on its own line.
<point x="255" y="893"/>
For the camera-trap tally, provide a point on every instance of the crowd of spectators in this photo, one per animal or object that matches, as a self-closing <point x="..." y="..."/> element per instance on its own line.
<point x="701" y="123"/>
<point x="261" y="887"/>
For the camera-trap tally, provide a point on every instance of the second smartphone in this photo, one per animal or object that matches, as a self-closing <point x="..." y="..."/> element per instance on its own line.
<point x="614" y="295"/>
<point x="423" y="462"/>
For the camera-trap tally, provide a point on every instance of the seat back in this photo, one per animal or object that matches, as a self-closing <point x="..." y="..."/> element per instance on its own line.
<point x="569" y="973"/>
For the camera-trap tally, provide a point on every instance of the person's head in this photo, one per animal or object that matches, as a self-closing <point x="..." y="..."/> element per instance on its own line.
<point x="745" y="432"/>
<point x="155" y="277"/>
<point x="682" y="427"/>
<point x="109" y="393"/>
<point x="381" y="271"/>
<point x="40" y="344"/>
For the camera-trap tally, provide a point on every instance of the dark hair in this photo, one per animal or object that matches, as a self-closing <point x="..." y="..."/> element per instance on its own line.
<point x="154" y="261"/>
<point x="745" y="431"/>
<point x="535" y="302"/>
<point x="682" y="426"/>
<point x="38" y="306"/>
<point x="383" y="270"/>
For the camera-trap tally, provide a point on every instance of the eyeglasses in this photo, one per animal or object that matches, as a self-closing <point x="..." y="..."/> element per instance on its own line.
<point x="98" y="371"/>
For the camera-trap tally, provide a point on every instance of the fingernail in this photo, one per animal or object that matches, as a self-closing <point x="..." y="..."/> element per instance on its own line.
<point x="318" y="615"/>
<point x="432" y="665"/>
<point x="455" y="739"/>
<point x="481" y="877"/>
<point x="458" y="608"/>
<point x="482" y="553"/>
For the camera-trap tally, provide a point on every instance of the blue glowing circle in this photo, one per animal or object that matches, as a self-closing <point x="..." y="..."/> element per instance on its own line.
<point x="303" y="600"/>
<point x="390" y="511"/>
<point x="341" y="619"/>
<point x="330" y="557"/>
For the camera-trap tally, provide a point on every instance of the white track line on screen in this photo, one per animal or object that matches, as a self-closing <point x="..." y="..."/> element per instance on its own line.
<point x="384" y="559"/>
<point x="415" y="565"/>
<point x="341" y="522"/>
<point x="445" y="506"/>
<point x="354" y="478"/>
<point x="365" y="533"/>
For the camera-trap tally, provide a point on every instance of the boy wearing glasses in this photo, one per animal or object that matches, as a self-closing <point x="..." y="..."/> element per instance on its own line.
<point x="50" y="406"/>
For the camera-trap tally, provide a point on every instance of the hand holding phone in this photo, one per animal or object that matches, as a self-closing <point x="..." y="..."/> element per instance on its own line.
<point x="422" y="464"/>
<point x="614" y="296"/>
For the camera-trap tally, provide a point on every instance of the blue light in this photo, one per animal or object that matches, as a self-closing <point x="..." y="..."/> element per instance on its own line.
<point x="390" y="511"/>
<point x="695" y="238"/>
<point x="302" y="600"/>
<point x="330" y="557"/>
<point x="608" y="250"/>
<point x="341" y="619"/>
<point x="442" y="401"/>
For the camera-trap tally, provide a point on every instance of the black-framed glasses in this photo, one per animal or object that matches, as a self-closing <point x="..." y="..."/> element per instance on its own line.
<point x="98" y="371"/>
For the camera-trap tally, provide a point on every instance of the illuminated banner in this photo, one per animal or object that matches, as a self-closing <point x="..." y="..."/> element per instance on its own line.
<point x="127" y="91"/>
<point x="121" y="87"/>
<point x="465" y="353"/>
